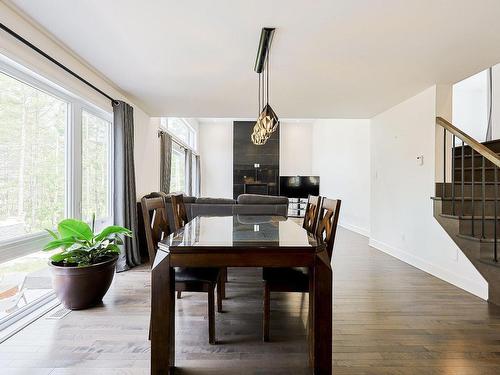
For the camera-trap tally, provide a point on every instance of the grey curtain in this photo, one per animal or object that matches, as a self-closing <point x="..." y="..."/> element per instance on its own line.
<point x="189" y="172"/>
<point x="198" y="176"/>
<point x="124" y="196"/>
<point x="165" y="161"/>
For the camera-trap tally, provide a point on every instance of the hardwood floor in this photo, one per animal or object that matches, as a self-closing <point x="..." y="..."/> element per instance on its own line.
<point x="389" y="318"/>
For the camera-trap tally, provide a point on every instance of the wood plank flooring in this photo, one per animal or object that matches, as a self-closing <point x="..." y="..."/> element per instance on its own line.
<point x="389" y="318"/>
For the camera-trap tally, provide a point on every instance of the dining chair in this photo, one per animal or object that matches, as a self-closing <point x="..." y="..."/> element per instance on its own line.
<point x="296" y="279"/>
<point x="311" y="215"/>
<point x="181" y="219"/>
<point x="157" y="228"/>
<point x="179" y="211"/>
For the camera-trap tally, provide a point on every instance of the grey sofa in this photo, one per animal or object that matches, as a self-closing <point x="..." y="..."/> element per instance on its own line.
<point x="246" y="204"/>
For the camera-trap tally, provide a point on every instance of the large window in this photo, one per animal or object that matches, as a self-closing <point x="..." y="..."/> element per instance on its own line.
<point x="32" y="158"/>
<point x="181" y="168"/>
<point x="181" y="129"/>
<point x="55" y="162"/>
<point x="178" y="169"/>
<point x="96" y="139"/>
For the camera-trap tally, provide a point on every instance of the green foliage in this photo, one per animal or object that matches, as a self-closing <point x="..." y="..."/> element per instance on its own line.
<point x="81" y="246"/>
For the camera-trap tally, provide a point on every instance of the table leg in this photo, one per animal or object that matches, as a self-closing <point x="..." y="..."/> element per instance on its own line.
<point x="162" y="315"/>
<point x="320" y="315"/>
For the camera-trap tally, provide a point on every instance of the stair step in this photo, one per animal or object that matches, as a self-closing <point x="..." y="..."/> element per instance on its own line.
<point x="469" y="206"/>
<point x="479" y="183"/>
<point x="467" y="189"/>
<point x="478" y="239"/>
<point x="489" y="262"/>
<point x="476" y="167"/>
<point x="469" y="217"/>
<point x="459" y="198"/>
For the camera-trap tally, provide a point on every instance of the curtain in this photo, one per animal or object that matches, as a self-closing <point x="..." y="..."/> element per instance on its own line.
<point x="124" y="196"/>
<point x="165" y="161"/>
<point x="189" y="172"/>
<point x="198" y="176"/>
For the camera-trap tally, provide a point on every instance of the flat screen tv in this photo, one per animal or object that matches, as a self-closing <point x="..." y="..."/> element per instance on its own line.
<point x="299" y="186"/>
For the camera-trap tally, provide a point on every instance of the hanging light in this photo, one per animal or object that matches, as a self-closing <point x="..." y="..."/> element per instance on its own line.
<point x="267" y="121"/>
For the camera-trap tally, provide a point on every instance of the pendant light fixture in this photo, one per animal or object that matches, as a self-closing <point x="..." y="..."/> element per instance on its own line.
<point x="267" y="121"/>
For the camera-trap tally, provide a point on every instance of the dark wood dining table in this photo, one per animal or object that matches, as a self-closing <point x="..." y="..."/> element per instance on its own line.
<point x="241" y="241"/>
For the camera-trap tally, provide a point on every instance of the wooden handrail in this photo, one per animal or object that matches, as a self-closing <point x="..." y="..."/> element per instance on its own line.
<point x="478" y="147"/>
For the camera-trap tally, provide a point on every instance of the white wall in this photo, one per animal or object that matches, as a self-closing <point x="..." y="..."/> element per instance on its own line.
<point x="147" y="175"/>
<point x="470" y="105"/>
<point x="215" y="145"/>
<point x="215" y="142"/>
<point x="296" y="144"/>
<point x="341" y="157"/>
<point x="401" y="211"/>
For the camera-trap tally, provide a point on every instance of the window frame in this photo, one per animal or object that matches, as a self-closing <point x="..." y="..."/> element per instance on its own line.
<point x="192" y="135"/>
<point x="33" y="242"/>
<point x="100" y="221"/>
<point x="192" y="138"/>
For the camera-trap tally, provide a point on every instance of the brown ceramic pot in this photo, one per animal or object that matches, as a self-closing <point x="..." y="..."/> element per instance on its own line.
<point x="82" y="287"/>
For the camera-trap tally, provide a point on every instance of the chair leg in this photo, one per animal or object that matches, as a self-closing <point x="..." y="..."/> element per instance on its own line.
<point x="222" y="284"/>
<point x="225" y="274"/>
<point x="220" y="293"/>
<point x="179" y="294"/>
<point x="211" y="315"/>
<point x="267" y="312"/>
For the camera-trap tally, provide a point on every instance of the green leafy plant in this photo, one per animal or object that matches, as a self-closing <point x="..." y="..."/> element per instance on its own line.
<point x="81" y="246"/>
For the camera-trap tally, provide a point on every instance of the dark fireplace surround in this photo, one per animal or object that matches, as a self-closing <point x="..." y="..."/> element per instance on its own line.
<point x="255" y="168"/>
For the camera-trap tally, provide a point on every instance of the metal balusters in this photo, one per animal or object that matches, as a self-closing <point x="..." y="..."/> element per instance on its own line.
<point x="444" y="164"/>
<point x="495" y="221"/>
<point x="453" y="175"/>
<point x="472" y="190"/>
<point x="462" y="177"/>
<point x="483" y="179"/>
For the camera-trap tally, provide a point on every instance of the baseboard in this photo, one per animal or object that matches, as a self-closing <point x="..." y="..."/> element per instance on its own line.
<point x="437" y="271"/>
<point x="353" y="228"/>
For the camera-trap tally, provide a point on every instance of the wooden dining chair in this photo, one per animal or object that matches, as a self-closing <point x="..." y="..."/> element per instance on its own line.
<point x="296" y="279"/>
<point x="157" y="228"/>
<point x="181" y="219"/>
<point x="311" y="215"/>
<point x="179" y="211"/>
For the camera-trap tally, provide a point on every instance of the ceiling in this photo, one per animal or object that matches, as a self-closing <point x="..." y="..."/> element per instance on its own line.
<point x="329" y="59"/>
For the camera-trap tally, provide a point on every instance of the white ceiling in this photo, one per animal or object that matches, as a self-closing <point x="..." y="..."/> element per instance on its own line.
<point x="330" y="58"/>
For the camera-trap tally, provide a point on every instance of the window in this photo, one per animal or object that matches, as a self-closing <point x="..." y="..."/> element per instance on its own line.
<point x="32" y="158"/>
<point x="96" y="139"/>
<point x="178" y="169"/>
<point x="183" y="139"/>
<point x="55" y="162"/>
<point x="181" y="130"/>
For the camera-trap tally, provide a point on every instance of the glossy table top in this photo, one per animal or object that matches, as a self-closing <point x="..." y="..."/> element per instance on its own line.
<point x="239" y="232"/>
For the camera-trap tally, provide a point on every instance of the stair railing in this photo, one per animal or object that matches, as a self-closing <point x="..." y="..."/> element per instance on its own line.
<point x="485" y="154"/>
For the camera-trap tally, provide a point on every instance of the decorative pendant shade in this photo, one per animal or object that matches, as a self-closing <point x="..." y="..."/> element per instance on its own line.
<point x="267" y="121"/>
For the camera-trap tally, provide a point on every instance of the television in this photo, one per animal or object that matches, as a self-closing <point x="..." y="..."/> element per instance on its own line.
<point x="299" y="186"/>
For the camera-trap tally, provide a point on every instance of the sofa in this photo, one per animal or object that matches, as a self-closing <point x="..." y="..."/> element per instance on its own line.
<point x="246" y="204"/>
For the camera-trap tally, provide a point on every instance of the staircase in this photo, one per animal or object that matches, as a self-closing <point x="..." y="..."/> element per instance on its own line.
<point x="466" y="203"/>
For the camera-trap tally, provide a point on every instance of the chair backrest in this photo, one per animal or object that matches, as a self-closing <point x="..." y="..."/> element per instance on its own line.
<point x="327" y="222"/>
<point x="156" y="226"/>
<point x="179" y="211"/>
<point x="312" y="212"/>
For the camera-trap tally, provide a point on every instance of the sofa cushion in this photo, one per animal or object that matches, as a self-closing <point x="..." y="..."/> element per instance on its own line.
<point x="185" y="198"/>
<point x="208" y="200"/>
<point x="261" y="199"/>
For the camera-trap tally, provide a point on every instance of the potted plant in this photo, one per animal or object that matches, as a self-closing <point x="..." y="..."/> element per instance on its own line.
<point x="83" y="271"/>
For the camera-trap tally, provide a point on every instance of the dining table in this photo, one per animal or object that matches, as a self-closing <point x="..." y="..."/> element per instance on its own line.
<point x="241" y="241"/>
